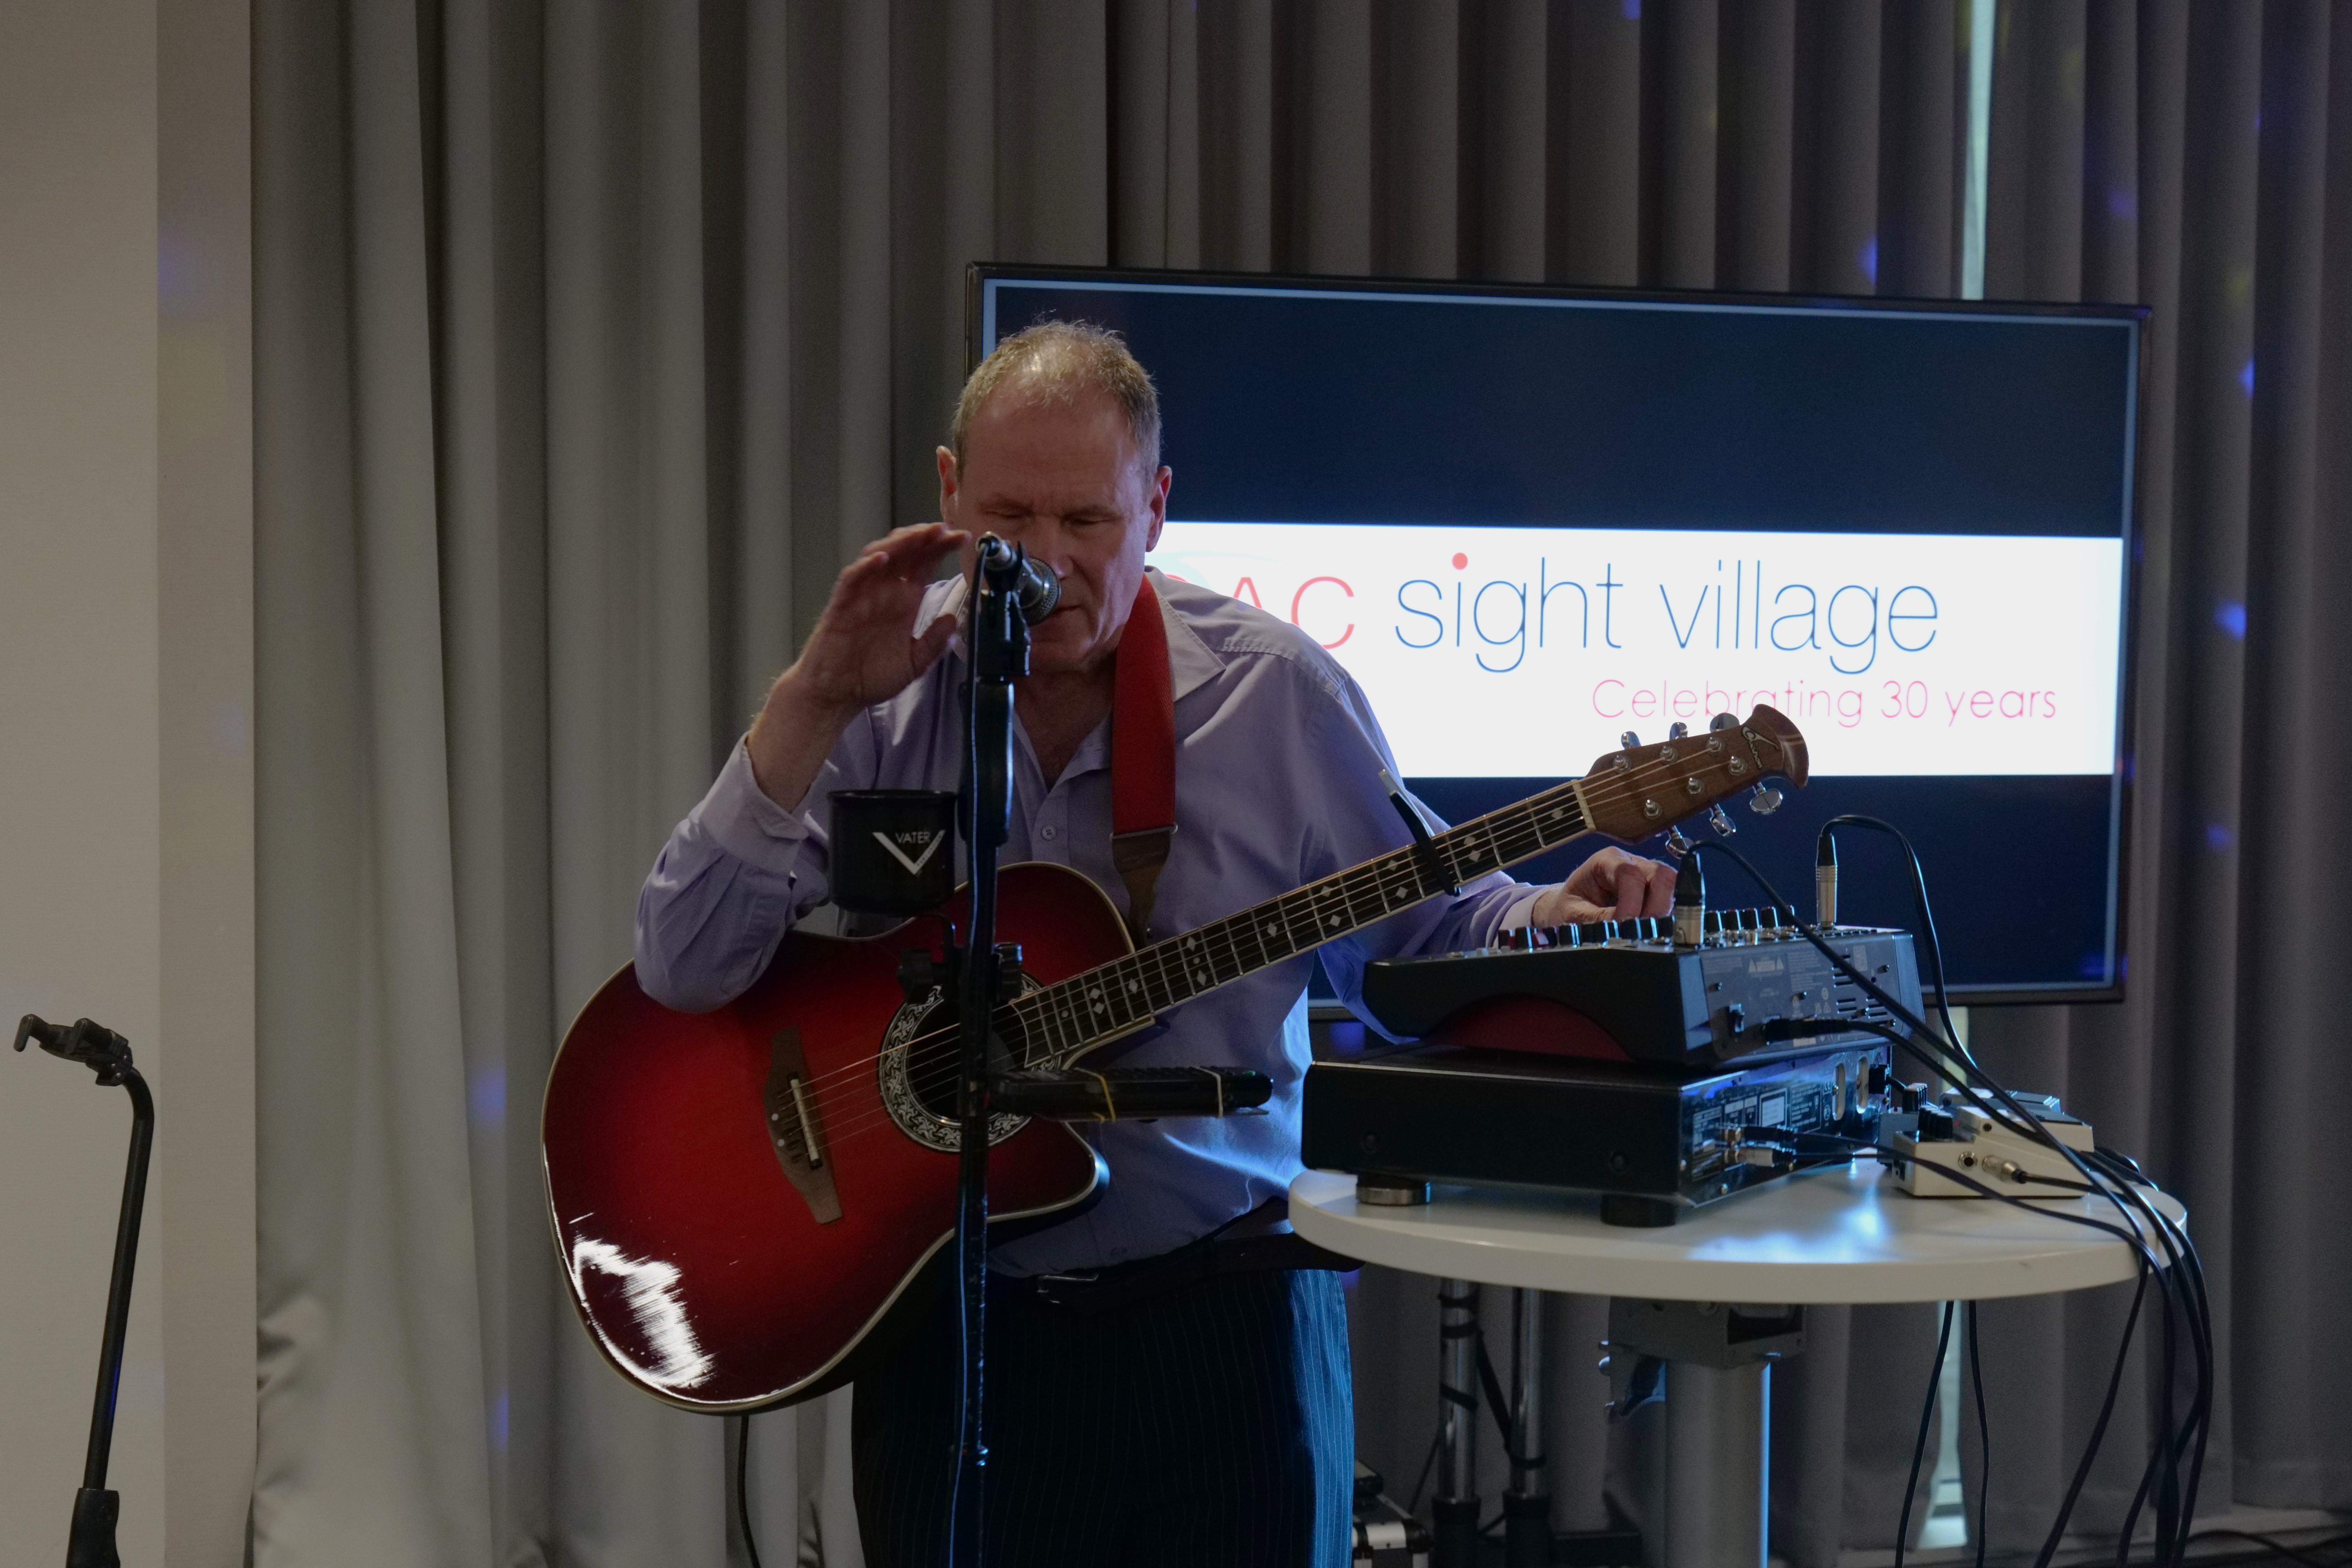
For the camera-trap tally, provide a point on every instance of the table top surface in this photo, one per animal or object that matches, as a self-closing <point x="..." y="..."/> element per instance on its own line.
<point x="1845" y="1233"/>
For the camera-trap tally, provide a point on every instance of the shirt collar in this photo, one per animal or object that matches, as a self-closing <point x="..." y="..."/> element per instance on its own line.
<point x="1191" y="663"/>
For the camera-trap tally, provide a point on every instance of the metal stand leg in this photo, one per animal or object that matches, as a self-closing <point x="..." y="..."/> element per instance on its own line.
<point x="1718" y="1464"/>
<point x="1454" y="1511"/>
<point x="1527" y="1507"/>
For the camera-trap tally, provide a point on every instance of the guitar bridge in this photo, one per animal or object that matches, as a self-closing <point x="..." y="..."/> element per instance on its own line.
<point x="793" y="1129"/>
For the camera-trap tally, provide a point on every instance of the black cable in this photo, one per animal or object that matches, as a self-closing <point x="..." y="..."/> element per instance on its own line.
<point x="1503" y="1410"/>
<point x="1919" y="1448"/>
<point x="1427" y="1465"/>
<point x="743" y="1490"/>
<point x="1984" y="1439"/>
<point x="1918" y="898"/>
<point x="2098" y="1429"/>
<point x="2164" y="1465"/>
<point x="2179" y="1286"/>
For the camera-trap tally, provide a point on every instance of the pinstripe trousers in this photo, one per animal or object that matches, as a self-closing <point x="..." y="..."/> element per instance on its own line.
<point x="1211" y="1425"/>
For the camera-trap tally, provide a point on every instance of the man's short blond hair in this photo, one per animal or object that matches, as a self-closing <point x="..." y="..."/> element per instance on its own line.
<point x="1057" y="362"/>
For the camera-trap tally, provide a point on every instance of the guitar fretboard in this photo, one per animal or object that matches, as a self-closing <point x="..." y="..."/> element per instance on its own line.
<point x="1060" y="1021"/>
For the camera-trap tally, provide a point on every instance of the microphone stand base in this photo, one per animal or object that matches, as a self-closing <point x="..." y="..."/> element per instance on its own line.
<point x="91" y="1543"/>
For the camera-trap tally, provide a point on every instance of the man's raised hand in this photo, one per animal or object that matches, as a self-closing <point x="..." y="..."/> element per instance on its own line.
<point x="863" y="651"/>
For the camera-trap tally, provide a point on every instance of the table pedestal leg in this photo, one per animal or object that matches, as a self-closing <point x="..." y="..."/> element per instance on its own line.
<point x="1527" y="1506"/>
<point x="1716" y="1358"/>
<point x="1718" y="1464"/>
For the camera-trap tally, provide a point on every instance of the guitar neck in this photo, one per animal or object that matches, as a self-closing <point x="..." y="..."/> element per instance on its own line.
<point x="1063" y="1020"/>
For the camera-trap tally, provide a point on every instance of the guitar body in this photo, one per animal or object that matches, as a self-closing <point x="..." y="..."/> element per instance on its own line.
<point x="702" y="1269"/>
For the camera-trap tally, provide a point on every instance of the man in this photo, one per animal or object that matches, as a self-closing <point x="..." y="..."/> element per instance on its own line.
<point x="1211" y="1421"/>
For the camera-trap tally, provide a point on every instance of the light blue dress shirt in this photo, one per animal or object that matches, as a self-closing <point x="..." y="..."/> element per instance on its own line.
<point x="1278" y="784"/>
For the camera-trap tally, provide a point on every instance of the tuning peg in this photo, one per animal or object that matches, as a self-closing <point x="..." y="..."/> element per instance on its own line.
<point x="1677" y="730"/>
<point x="1676" y="843"/>
<point x="1720" y="823"/>
<point x="1723" y="721"/>
<point x="1765" y="800"/>
<point x="1629" y="740"/>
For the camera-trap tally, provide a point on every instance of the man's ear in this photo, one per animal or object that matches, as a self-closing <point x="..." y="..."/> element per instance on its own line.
<point x="1159" y="504"/>
<point x="948" y="478"/>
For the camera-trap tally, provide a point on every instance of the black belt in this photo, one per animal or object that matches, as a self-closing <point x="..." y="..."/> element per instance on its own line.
<point x="1258" y="1242"/>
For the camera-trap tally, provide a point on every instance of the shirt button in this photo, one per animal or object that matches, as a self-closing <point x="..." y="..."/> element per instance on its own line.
<point x="1047" y="833"/>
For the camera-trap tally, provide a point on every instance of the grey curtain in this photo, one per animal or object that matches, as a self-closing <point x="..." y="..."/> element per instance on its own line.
<point x="591" y="337"/>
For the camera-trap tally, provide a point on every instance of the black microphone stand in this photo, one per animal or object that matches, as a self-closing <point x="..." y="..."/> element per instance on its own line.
<point x="107" y="1054"/>
<point x="998" y="640"/>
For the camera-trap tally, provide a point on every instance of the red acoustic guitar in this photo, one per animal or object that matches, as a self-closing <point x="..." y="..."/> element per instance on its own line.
<point x="739" y="1197"/>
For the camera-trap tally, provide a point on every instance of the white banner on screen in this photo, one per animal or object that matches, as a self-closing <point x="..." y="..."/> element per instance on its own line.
<point x="1524" y="652"/>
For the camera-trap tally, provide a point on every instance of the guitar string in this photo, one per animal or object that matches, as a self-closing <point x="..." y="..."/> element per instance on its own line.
<point x="1038" y="1011"/>
<point x="1367" y="882"/>
<point x="1056" y="1009"/>
<point x="1389" y="887"/>
<point x="1363" y="883"/>
<point x="1379" y="880"/>
<point x="1375" y="882"/>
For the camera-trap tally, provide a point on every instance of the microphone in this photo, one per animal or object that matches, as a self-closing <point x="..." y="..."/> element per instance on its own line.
<point x="1128" y="1093"/>
<point x="1825" y="869"/>
<point x="1034" y="588"/>
<point x="1690" y="904"/>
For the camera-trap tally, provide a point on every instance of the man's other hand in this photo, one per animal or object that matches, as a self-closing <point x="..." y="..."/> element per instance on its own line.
<point x="863" y="651"/>
<point x="1611" y="886"/>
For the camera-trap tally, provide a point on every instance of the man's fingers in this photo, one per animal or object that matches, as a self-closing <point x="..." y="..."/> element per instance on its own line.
<point x="1632" y="889"/>
<point x="919" y="549"/>
<point x="1660" y="883"/>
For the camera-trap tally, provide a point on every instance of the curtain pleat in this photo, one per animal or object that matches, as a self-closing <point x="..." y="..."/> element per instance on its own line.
<point x="591" y="339"/>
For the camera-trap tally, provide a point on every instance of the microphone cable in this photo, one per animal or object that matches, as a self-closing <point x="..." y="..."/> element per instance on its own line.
<point x="2176" y="1463"/>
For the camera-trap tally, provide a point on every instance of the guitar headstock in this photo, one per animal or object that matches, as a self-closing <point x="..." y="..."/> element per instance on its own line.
<point x="1642" y="790"/>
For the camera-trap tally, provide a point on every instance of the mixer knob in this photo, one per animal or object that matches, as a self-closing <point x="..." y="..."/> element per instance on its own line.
<point x="1629" y="740"/>
<point x="1677" y="730"/>
<point x="1765" y="800"/>
<point x="1717" y="820"/>
<point x="1723" y="721"/>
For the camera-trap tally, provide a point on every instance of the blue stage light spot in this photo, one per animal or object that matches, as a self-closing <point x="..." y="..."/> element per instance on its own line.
<point x="2231" y="616"/>
<point x="2218" y="839"/>
<point x="485" y="1096"/>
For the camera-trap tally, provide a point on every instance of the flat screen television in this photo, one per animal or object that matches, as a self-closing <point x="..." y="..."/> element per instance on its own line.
<point x="1529" y="520"/>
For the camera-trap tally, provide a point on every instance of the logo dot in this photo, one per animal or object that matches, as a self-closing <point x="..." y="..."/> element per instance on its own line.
<point x="1459" y="560"/>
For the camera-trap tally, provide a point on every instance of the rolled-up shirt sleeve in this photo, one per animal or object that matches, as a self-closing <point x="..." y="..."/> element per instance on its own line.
<point x="731" y="881"/>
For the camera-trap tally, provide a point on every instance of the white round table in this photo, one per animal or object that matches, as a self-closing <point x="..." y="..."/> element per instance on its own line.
<point x="1843" y="1235"/>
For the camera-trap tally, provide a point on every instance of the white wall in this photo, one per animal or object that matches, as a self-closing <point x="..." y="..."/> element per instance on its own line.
<point x="125" y="647"/>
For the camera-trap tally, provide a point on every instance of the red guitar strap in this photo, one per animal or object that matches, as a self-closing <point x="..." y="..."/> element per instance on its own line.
<point x="1142" y="757"/>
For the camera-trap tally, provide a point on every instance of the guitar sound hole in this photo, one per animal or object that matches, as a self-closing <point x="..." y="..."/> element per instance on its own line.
<point x="917" y="1076"/>
<point x="932" y="1059"/>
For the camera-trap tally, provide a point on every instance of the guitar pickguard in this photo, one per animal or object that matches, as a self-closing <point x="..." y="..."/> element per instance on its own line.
<point x="908" y="1112"/>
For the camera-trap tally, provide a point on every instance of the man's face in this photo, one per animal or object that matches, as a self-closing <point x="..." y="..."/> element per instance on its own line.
<point x="1063" y="481"/>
